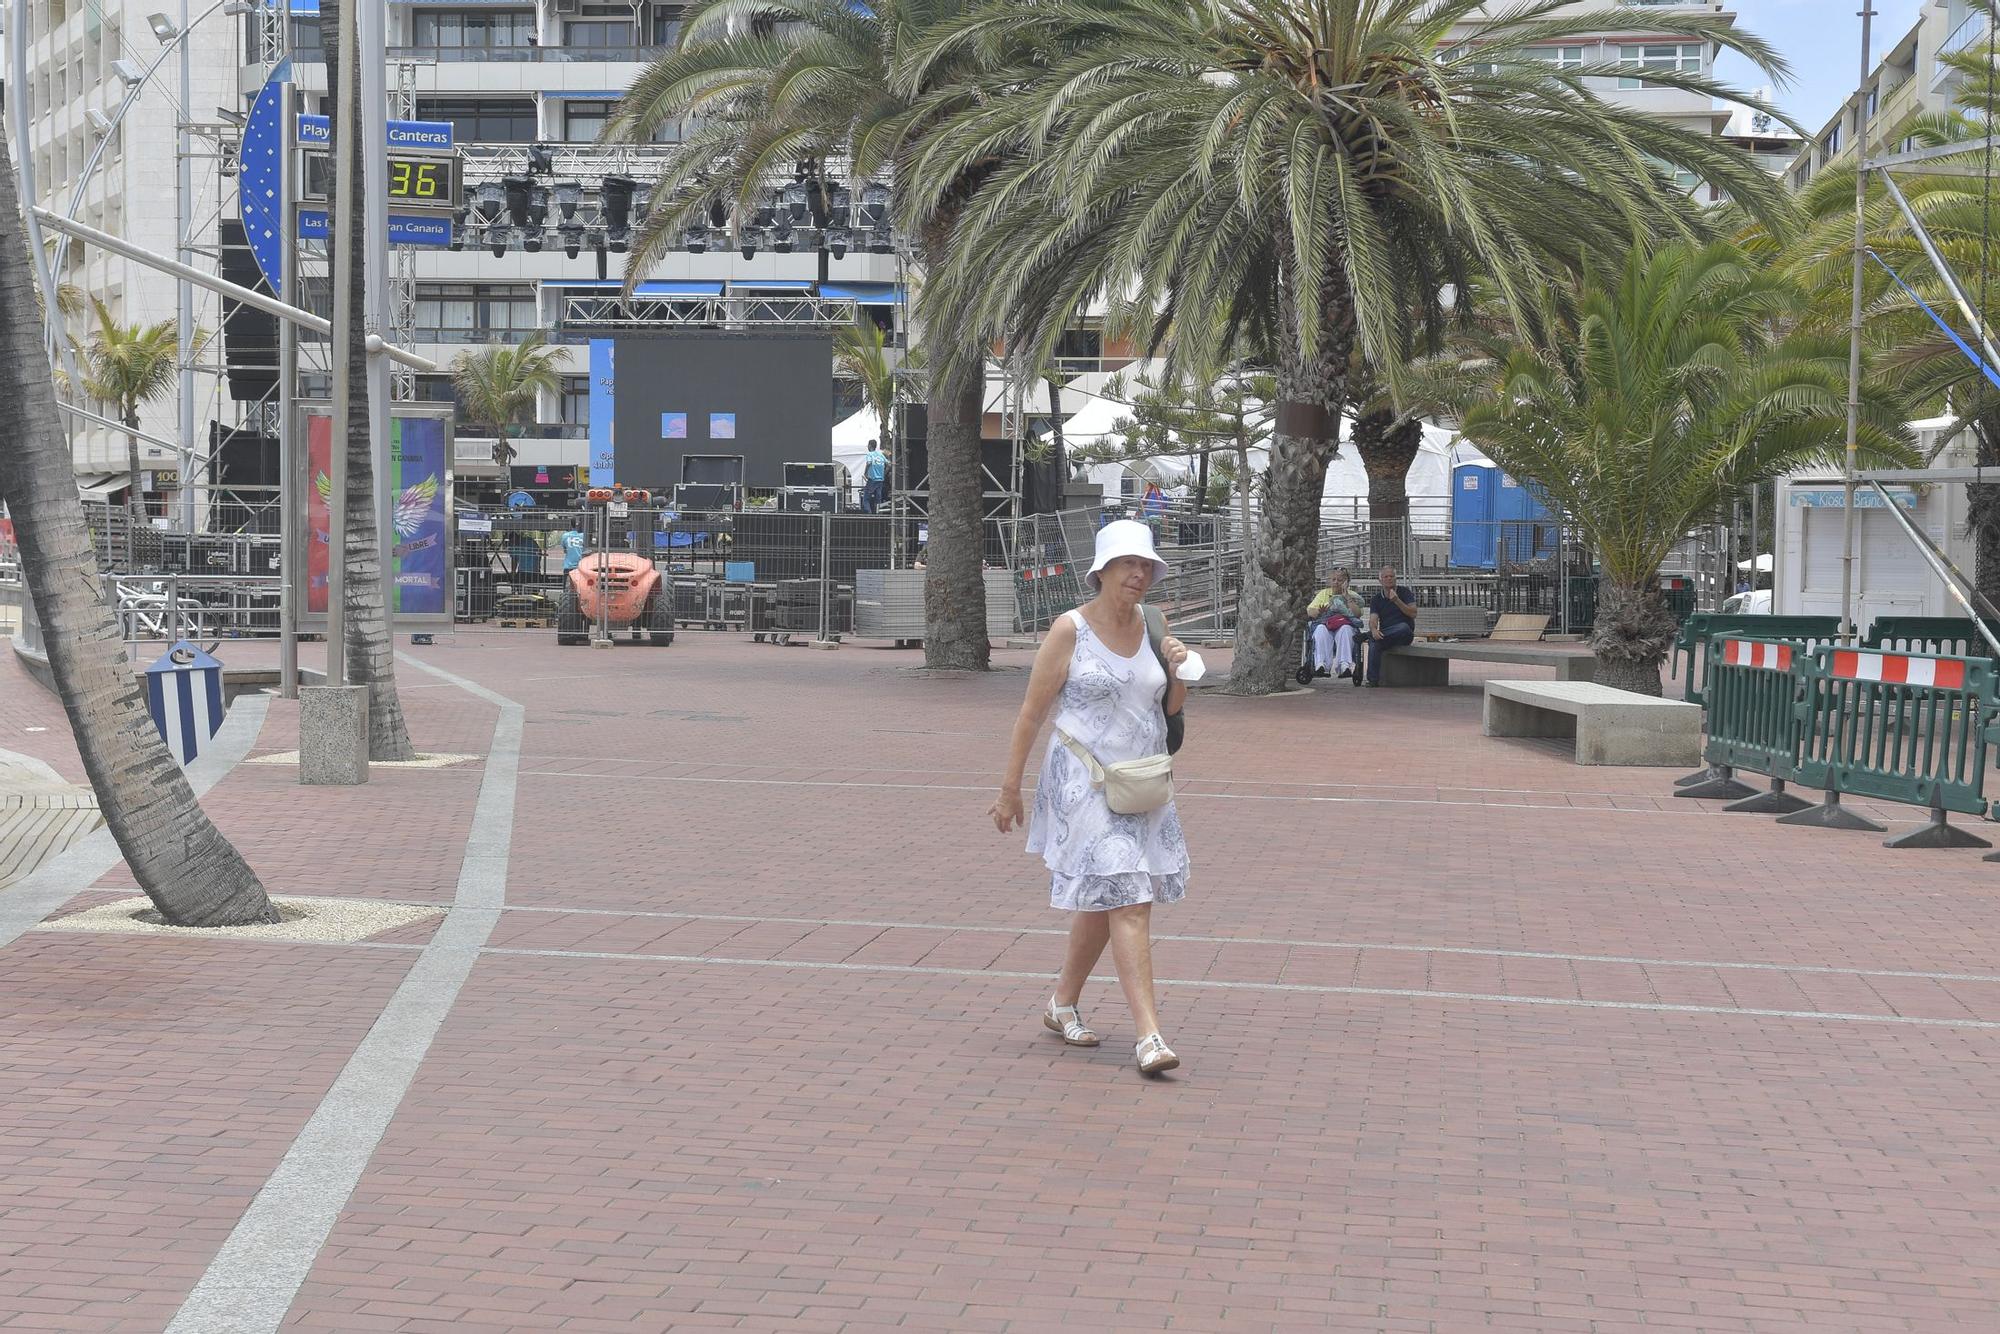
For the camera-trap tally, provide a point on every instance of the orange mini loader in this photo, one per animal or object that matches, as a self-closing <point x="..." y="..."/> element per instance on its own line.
<point x="621" y="590"/>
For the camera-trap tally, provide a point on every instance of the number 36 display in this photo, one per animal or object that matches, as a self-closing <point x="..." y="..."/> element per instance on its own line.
<point x="417" y="182"/>
<point x="422" y="180"/>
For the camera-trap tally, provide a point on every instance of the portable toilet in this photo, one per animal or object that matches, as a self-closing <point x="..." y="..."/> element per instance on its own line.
<point x="1522" y="522"/>
<point x="1473" y="487"/>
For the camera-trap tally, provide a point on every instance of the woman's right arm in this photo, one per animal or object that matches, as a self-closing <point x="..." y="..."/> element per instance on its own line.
<point x="1045" y="683"/>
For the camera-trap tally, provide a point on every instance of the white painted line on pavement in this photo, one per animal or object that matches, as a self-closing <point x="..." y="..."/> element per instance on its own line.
<point x="1691" y="809"/>
<point x="1475" y="951"/>
<point x="251" y="1283"/>
<point x="1302" y="988"/>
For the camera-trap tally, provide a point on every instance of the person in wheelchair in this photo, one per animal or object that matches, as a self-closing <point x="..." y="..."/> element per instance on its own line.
<point x="1338" y="612"/>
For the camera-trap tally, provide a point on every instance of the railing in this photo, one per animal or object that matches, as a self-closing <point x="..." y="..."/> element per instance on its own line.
<point x="522" y="55"/>
<point x="203" y="608"/>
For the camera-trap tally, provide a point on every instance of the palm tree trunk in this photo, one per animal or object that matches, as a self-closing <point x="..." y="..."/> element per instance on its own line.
<point x="1279" y="576"/>
<point x="193" y="875"/>
<point x="1059" y="462"/>
<point x="371" y="659"/>
<point x="134" y="506"/>
<point x="1633" y="632"/>
<point x="1387" y="445"/>
<point x="954" y="587"/>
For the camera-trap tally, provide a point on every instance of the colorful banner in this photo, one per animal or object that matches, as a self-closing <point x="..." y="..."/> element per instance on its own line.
<point x="421" y="549"/>
<point x="319" y="509"/>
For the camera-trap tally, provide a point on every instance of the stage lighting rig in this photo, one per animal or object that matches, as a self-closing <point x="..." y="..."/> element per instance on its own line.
<point x="538" y="217"/>
<point x="874" y="205"/>
<point x="615" y="195"/>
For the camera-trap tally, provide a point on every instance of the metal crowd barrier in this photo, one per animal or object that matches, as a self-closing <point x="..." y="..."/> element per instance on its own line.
<point x="1919" y="729"/>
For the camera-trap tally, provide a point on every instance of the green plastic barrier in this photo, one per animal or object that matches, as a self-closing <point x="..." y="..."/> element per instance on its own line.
<point x="1694" y="643"/>
<point x="1909" y="727"/>
<point x="1953" y="636"/>
<point x="1753" y="718"/>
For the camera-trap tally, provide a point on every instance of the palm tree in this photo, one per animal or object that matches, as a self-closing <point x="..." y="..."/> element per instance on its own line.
<point x="498" y="385"/>
<point x="1329" y="168"/>
<point x="777" y="84"/>
<point x="369" y="650"/>
<point x="193" y="875"/>
<point x="1668" y="396"/>
<point x="862" y="351"/>
<point x="126" y="366"/>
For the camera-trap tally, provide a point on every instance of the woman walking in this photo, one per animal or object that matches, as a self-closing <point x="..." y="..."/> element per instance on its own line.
<point x="1109" y="679"/>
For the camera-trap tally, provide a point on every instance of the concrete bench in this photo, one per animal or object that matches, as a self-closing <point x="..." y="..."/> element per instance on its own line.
<point x="1422" y="664"/>
<point x="1609" y="726"/>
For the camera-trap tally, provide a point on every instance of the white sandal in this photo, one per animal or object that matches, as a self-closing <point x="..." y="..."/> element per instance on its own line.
<point x="1155" y="1056"/>
<point x="1065" y="1020"/>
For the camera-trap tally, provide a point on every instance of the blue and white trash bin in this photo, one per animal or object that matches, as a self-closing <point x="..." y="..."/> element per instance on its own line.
<point x="184" y="695"/>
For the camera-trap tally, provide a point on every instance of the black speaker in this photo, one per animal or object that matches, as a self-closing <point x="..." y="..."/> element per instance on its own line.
<point x="249" y="335"/>
<point x="914" y="464"/>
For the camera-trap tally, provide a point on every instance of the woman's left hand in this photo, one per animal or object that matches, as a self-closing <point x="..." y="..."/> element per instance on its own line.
<point x="1173" y="651"/>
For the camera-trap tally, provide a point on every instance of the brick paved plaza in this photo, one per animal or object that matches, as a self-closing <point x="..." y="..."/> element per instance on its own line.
<point x="1473" y="1037"/>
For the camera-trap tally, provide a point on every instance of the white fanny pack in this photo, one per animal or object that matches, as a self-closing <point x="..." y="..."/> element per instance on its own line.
<point x="1130" y="787"/>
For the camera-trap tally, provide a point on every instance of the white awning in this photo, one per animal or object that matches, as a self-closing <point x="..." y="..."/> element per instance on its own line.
<point x="100" y="485"/>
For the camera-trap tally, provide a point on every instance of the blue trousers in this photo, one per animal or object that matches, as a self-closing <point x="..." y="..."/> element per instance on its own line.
<point x="1394" y="637"/>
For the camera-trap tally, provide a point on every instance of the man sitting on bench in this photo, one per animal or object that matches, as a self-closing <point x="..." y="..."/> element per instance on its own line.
<point x="1391" y="622"/>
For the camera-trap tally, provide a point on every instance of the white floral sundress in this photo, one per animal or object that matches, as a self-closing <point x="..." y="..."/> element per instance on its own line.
<point x="1111" y="705"/>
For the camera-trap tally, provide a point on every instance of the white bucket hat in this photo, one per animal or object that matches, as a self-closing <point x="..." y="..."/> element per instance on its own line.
<point x="1125" y="537"/>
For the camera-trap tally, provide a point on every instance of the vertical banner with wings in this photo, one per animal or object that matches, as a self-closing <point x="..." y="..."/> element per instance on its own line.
<point x="420" y="550"/>
<point x="319" y="509"/>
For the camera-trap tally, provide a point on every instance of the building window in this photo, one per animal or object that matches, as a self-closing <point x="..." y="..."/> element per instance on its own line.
<point x="479" y="30"/>
<point x="1562" y="57"/>
<point x="483" y="120"/>
<point x="1675" y="57"/>
<point x="576" y="400"/>
<point x="1085" y="345"/>
<point x="583" y="122"/>
<point x="1683" y="179"/>
<point x="601" y="34"/>
<point x="1829" y="144"/>
<point x="667" y="25"/>
<point x="1874" y="102"/>
<point x="474" y="312"/>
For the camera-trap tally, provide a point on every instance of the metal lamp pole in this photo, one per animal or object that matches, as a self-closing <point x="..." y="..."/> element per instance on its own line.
<point x="184" y="290"/>
<point x="1852" y="461"/>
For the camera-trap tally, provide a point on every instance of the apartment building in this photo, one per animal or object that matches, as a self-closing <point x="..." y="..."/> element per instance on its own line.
<point x="1908" y="82"/>
<point x="117" y="173"/>
<point x="1635" y="45"/>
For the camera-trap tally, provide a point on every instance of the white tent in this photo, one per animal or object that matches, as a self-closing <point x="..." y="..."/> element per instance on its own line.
<point x="851" y="437"/>
<point x="1429" y="476"/>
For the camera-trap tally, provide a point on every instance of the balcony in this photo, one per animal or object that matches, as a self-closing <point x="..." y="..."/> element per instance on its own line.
<point x="528" y="55"/>
<point x="506" y="55"/>
<point x="1966" y="34"/>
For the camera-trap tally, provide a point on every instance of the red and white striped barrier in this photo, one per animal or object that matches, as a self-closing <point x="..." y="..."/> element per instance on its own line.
<point x="1899" y="669"/>
<point x="1751" y="653"/>
<point x="1042" y="572"/>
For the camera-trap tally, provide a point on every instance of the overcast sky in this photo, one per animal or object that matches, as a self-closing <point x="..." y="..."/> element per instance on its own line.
<point x="1821" y="39"/>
